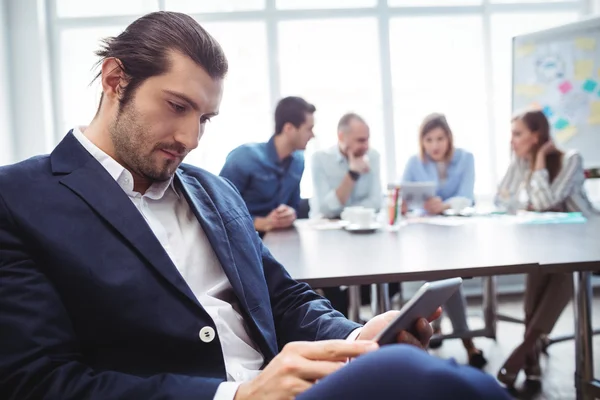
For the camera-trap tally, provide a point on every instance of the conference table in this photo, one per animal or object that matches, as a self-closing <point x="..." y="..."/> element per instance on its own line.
<point x="431" y="249"/>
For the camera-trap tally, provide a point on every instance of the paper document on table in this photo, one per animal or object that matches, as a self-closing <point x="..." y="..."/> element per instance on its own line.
<point x="441" y="221"/>
<point x="536" y="218"/>
<point x="326" y="224"/>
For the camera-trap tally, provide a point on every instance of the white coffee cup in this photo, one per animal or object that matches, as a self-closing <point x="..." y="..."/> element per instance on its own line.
<point x="458" y="203"/>
<point x="364" y="217"/>
<point x="349" y="213"/>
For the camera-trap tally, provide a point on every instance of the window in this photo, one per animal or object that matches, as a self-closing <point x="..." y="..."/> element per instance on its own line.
<point x="198" y="6"/>
<point x="321" y="4"/>
<point x="534" y="1"/>
<point x="425" y="3"/>
<point x="79" y="8"/>
<point x="330" y="52"/>
<point x="504" y="27"/>
<point x="78" y="96"/>
<point x="438" y="66"/>
<point x="333" y="64"/>
<point x="245" y="114"/>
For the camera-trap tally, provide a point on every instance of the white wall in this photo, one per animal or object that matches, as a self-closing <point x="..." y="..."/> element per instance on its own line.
<point x="6" y="133"/>
<point x="31" y="100"/>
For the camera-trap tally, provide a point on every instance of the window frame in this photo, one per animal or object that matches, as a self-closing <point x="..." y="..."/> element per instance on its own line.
<point x="272" y="16"/>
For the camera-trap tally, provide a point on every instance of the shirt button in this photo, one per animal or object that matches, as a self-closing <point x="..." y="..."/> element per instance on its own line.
<point x="207" y="334"/>
<point x="239" y="376"/>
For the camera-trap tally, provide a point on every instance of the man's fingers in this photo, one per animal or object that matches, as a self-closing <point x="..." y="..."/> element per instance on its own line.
<point x="287" y="213"/>
<point x="311" y="370"/>
<point x="331" y="350"/>
<point x="424" y="331"/>
<point x="435" y="315"/>
<point x="407" y="338"/>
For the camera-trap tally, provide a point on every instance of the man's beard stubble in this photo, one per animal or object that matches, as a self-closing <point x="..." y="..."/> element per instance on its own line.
<point x="128" y="136"/>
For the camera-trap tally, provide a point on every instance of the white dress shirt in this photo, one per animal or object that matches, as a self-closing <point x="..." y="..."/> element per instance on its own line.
<point x="329" y="167"/>
<point x="176" y="227"/>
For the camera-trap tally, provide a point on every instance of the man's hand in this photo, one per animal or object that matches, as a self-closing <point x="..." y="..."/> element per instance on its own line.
<point x="435" y="206"/>
<point x="281" y="217"/>
<point x="284" y="217"/>
<point x="299" y="366"/>
<point x="423" y="328"/>
<point x="358" y="164"/>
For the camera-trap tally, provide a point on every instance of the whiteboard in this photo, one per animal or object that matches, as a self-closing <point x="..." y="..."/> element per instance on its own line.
<point x="558" y="71"/>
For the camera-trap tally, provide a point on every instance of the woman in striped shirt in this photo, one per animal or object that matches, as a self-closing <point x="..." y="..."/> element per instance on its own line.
<point x="541" y="178"/>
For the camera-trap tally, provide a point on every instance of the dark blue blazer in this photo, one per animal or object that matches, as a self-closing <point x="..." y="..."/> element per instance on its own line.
<point x="91" y="306"/>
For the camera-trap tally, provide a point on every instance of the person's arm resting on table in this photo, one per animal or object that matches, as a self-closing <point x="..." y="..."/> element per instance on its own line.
<point x="504" y="195"/>
<point x="237" y="172"/>
<point x="375" y="198"/>
<point x="326" y="198"/>
<point x="467" y="184"/>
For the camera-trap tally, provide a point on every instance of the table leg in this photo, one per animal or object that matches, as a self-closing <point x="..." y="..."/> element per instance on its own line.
<point x="380" y="298"/>
<point x="584" y="367"/>
<point x="490" y="306"/>
<point x="354" y="303"/>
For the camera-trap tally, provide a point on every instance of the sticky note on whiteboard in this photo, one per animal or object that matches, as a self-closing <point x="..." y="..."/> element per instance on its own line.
<point x="566" y="134"/>
<point x="594" y="118"/>
<point x="524" y="50"/>
<point x="584" y="69"/>
<point x="535" y="106"/>
<point x="590" y="85"/>
<point x="561" y="123"/>
<point x="585" y="43"/>
<point x="529" y="90"/>
<point x="565" y="87"/>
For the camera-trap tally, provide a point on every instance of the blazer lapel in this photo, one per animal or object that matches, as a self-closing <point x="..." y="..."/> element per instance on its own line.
<point x="90" y="181"/>
<point x="207" y="214"/>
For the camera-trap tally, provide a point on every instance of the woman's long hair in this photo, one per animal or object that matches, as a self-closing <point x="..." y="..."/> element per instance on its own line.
<point x="538" y="124"/>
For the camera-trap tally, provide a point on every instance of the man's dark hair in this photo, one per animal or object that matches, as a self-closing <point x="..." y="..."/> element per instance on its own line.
<point x="292" y="110"/>
<point x="143" y="48"/>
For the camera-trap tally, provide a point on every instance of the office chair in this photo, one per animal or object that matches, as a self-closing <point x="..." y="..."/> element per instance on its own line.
<point x="303" y="209"/>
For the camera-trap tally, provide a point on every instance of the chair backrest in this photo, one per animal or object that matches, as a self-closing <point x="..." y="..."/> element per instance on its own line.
<point x="592" y="173"/>
<point x="303" y="209"/>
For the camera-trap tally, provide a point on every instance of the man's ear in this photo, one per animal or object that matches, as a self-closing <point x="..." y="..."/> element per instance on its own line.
<point x="114" y="79"/>
<point x="288" y="128"/>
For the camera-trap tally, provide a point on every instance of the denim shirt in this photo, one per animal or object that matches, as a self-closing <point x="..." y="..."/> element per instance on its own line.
<point x="263" y="180"/>
<point x="460" y="175"/>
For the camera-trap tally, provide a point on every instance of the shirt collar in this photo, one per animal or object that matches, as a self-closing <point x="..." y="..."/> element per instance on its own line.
<point x="339" y="156"/>
<point x="119" y="173"/>
<point x="272" y="151"/>
<point x="274" y="157"/>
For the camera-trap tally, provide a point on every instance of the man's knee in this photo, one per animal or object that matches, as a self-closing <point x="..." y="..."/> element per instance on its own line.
<point x="410" y="368"/>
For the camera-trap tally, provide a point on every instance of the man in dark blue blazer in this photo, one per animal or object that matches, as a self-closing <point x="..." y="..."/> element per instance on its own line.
<point x="127" y="275"/>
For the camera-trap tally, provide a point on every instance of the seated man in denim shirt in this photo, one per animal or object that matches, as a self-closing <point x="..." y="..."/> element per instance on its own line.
<point x="268" y="174"/>
<point x="347" y="174"/>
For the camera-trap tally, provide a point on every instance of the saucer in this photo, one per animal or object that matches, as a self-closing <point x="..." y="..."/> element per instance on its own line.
<point x="355" y="228"/>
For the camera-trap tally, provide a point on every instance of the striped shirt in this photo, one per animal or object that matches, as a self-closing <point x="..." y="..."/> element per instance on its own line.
<point x="533" y="190"/>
